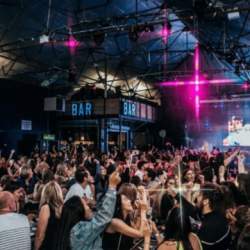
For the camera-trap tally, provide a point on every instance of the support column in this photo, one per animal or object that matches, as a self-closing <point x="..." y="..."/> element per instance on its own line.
<point x="120" y="134"/>
<point x="130" y="139"/>
<point x="103" y="136"/>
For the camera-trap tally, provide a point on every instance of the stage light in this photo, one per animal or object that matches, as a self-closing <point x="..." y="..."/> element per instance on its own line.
<point x="72" y="42"/>
<point x="165" y="32"/>
<point x="198" y="78"/>
<point x="196" y="68"/>
<point x="44" y="39"/>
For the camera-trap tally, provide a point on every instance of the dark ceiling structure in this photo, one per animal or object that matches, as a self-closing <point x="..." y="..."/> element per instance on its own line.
<point x="122" y="46"/>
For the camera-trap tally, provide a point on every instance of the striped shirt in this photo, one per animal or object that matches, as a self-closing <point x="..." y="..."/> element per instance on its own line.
<point x="14" y="232"/>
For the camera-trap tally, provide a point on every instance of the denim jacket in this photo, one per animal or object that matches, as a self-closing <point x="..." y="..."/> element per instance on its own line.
<point x="85" y="235"/>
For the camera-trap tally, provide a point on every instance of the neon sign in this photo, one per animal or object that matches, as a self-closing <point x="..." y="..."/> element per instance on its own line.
<point x="82" y="109"/>
<point x="129" y="108"/>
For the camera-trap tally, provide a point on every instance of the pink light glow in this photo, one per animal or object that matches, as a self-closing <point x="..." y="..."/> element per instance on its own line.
<point x="72" y="42"/>
<point x="197" y="82"/>
<point x="218" y="81"/>
<point x="200" y="82"/>
<point x="197" y="106"/>
<point x="164" y="33"/>
<point x="198" y="79"/>
<point x="197" y="68"/>
<point x="197" y="101"/>
<point x="245" y="86"/>
<point x="197" y="59"/>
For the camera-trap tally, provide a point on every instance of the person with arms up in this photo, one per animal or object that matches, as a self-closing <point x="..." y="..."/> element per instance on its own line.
<point x="79" y="229"/>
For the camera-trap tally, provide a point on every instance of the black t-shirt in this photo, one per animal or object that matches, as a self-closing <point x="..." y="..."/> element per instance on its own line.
<point x="214" y="232"/>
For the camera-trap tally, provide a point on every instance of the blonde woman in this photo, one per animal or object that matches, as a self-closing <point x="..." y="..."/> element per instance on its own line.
<point x="50" y="212"/>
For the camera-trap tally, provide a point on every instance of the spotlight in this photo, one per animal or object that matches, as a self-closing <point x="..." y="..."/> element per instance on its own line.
<point x="72" y="42"/>
<point x="44" y="39"/>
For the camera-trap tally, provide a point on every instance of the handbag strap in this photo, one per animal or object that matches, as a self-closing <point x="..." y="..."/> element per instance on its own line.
<point x="119" y="242"/>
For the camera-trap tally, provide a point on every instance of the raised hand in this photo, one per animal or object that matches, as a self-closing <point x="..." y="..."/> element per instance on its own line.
<point x="114" y="180"/>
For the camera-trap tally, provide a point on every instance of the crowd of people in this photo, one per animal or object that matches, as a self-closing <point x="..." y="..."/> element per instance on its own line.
<point x="165" y="199"/>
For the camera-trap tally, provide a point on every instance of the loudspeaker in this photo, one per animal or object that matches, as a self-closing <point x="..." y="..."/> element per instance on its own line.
<point x="54" y="104"/>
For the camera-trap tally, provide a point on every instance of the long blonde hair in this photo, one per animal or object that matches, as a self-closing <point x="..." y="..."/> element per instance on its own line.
<point x="53" y="196"/>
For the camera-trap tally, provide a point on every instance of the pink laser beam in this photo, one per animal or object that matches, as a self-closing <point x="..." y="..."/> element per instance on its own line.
<point x="197" y="106"/>
<point x="214" y="81"/>
<point x="197" y="60"/>
<point x="197" y="68"/>
<point x="198" y="79"/>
